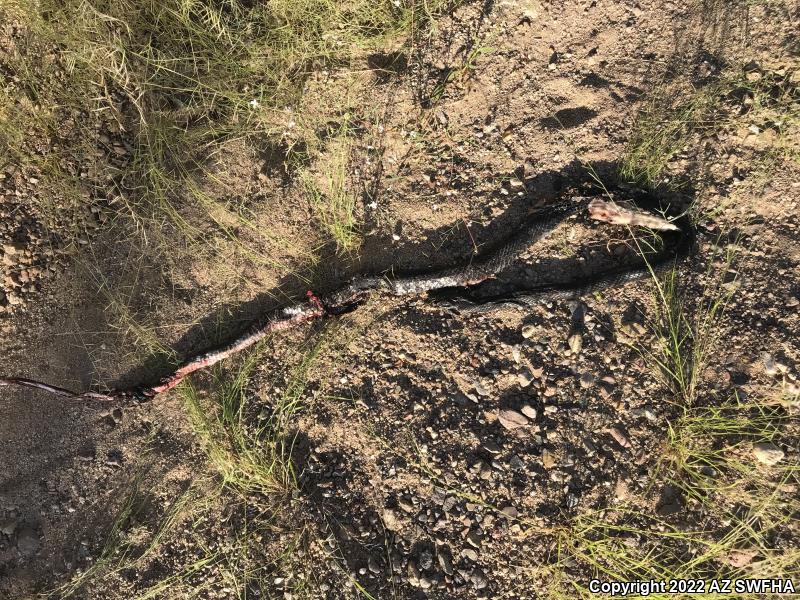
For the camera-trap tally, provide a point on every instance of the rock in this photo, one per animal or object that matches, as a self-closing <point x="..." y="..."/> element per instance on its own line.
<point x="449" y="503"/>
<point x="516" y="463"/>
<point x="491" y="447"/>
<point x="644" y="412"/>
<point x="575" y="342"/>
<point x="482" y="469"/>
<point x="474" y="539"/>
<point x="470" y="554"/>
<point x="619" y="436"/>
<point x="621" y="491"/>
<point x="390" y="520"/>
<point x="708" y="471"/>
<point x="8" y="526"/>
<point x="528" y="331"/>
<point x="511" y="419"/>
<point x="480" y="389"/>
<point x="425" y="561"/>
<point x="27" y="541"/>
<point x="516" y="354"/>
<point x="478" y="579"/>
<point x="510" y="512"/>
<point x="586" y="380"/>
<point x="405" y="505"/>
<point x="548" y="459"/>
<point x="373" y="565"/>
<point x="767" y="453"/>
<point x="528" y="411"/>
<point x="413" y="574"/>
<point x="446" y="561"/>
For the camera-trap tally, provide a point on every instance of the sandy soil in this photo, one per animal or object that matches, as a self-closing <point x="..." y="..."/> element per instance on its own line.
<point x="499" y="110"/>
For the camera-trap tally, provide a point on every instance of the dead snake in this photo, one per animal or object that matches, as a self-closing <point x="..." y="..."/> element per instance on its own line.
<point x="449" y="288"/>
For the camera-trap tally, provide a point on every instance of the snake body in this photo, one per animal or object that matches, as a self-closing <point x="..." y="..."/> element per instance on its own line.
<point x="451" y="288"/>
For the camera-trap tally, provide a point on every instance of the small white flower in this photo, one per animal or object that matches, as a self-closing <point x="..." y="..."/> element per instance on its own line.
<point x="254" y="103"/>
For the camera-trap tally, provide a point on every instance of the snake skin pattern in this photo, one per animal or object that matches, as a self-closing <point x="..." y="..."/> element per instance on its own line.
<point x="450" y="288"/>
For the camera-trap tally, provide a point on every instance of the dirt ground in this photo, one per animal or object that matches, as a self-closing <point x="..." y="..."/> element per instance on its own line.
<point x="438" y="455"/>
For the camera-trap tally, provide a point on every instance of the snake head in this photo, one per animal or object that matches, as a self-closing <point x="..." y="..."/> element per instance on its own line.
<point x="610" y="212"/>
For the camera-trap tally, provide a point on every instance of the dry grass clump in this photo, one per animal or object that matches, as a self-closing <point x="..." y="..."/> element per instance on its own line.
<point x="174" y="81"/>
<point x="752" y="100"/>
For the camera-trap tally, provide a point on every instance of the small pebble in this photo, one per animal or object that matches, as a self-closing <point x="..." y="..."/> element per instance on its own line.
<point x="446" y="561"/>
<point x="575" y="342"/>
<point x="373" y="565"/>
<point x="767" y="453"/>
<point x="511" y="419"/>
<point x="510" y="511"/>
<point x="620" y="437"/>
<point x="478" y="579"/>
<point x="548" y="459"/>
<point x="8" y="526"/>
